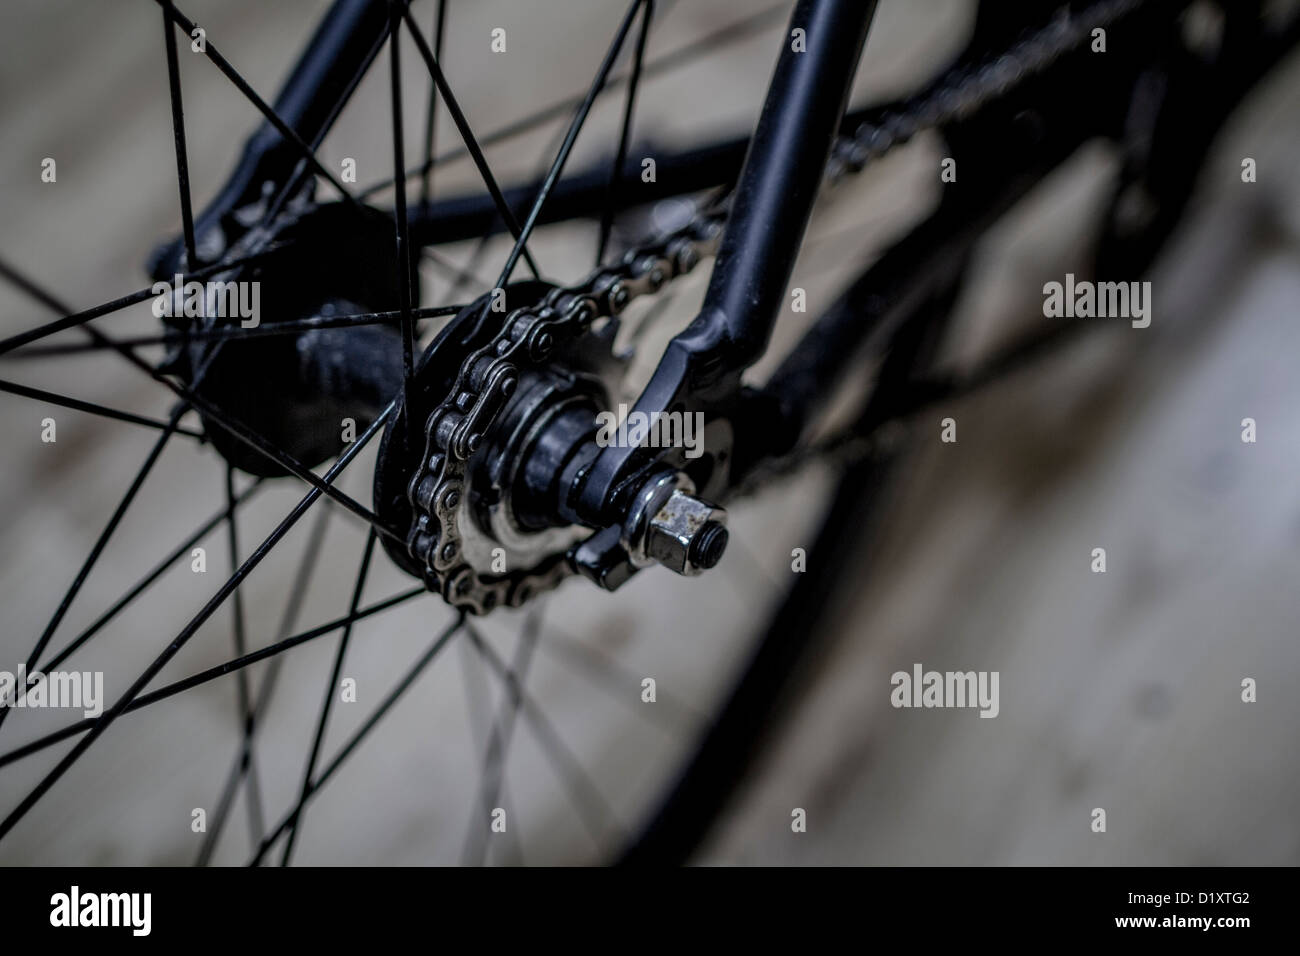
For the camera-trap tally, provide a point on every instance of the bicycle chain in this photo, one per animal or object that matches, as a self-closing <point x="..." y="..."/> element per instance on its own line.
<point x="487" y="378"/>
<point x="528" y="336"/>
<point x="965" y="90"/>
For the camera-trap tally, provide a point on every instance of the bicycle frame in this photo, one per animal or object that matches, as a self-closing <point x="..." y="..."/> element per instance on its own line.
<point x="771" y="208"/>
<point x="772" y="202"/>
<point x="897" y="307"/>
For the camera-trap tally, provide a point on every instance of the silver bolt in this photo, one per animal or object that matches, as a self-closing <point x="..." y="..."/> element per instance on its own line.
<point x="669" y="525"/>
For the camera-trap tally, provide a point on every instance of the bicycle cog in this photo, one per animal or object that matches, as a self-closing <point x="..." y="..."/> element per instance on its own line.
<point x="471" y="538"/>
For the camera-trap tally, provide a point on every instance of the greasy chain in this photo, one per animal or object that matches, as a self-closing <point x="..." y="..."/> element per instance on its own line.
<point x="455" y="429"/>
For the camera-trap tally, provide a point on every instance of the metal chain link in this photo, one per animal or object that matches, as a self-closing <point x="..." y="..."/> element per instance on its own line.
<point x="488" y="376"/>
<point x="964" y="91"/>
<point x="456" y="428"/>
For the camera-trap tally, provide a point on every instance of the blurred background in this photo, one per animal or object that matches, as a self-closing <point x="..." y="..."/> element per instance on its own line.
<point x="1119" y="690"/>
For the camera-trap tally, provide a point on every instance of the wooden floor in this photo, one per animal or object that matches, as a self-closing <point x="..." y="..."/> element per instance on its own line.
<point x="1118" y="690"/>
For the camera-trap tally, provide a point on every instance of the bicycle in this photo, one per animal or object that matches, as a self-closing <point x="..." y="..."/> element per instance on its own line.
<point x="504" y="491"/>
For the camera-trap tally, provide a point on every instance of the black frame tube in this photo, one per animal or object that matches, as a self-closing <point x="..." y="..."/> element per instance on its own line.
<point x="341" y="49"/>
<point x="771" y="208"/>
<point x="783" y="173"/>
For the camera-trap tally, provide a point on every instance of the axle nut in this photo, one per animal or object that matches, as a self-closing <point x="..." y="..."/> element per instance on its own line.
<point x="687" y="535"/>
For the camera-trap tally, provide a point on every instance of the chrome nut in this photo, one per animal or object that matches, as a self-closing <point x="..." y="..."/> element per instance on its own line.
<point x="687" y="535"/>
<point x="650" y="497"/>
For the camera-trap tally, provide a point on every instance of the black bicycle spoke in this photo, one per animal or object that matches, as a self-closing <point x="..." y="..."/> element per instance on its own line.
<point x="431" y="114"/>
<point x="103" y="722"/>
<point x="244" y="434"/>
<point x="478" y="704"/>
<point x="244" y="764"/>
<point x="673" y="715"/>
<point x="361" y="733"/>
<point x="592" y="809"/>
<point x="178" y="132"/>
<point x="249" y="437"/>
<point x="39" y="394"/>
<point x="471" y="144"/>
<point x="212" y="673"/>
<point x="331" y="688"/>
<point x="629" y="108"/>
<point x="502" y="729"/>
<point x="484" y="241"/>
<point x="244" y="712"/>
<point x="255" y="441"/>
<point x="72" y="319"/>
<point x="158" y="570"/>
<point x="402" y="225"/>
<point x="706" y="45"/>
<point x="222" y="420"/>
<point x="459" y="275"/>
<point x="222" y="64"/>
<point x="467" y="276"/>
<point x="294" y="182"/>
<point x="289" y="327"/>
<point x="100" y="543"/>
<point x="557" y="167"/>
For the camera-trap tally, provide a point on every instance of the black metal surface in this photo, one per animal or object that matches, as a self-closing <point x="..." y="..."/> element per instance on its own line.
<point x="582" y="194"/>
<point x="771" y="208"/>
